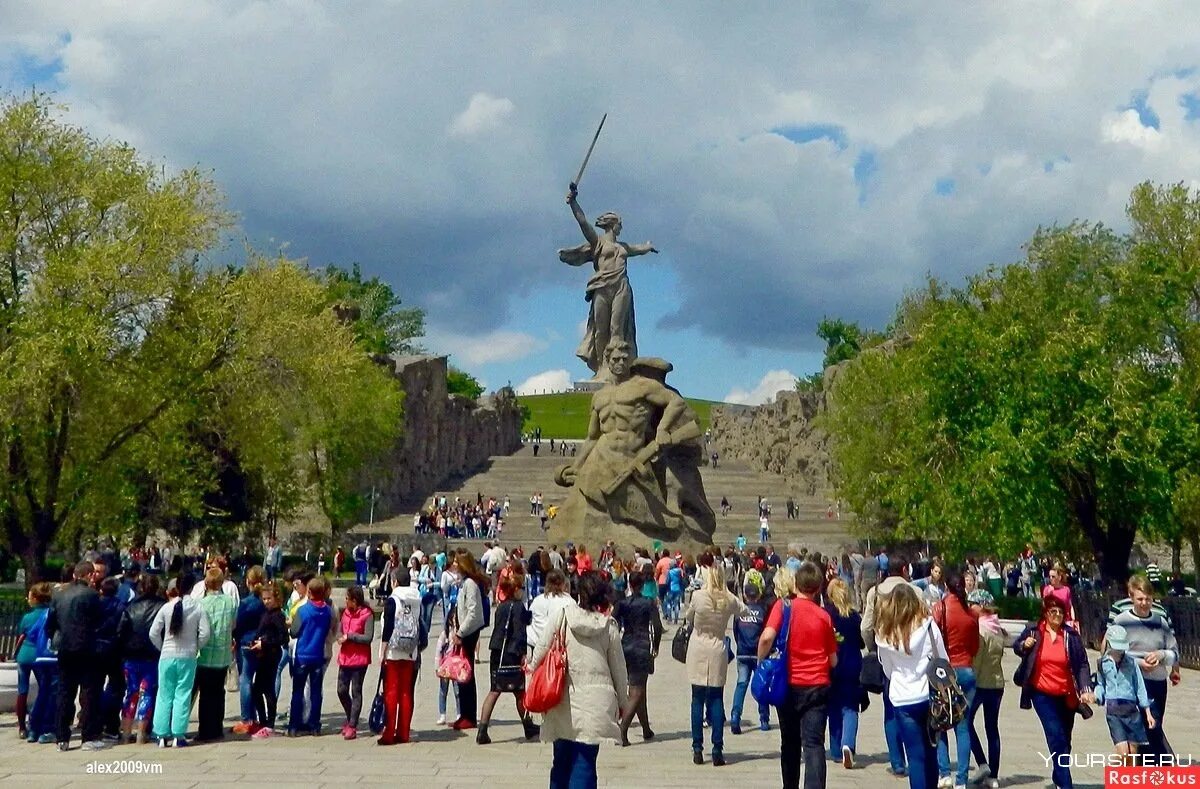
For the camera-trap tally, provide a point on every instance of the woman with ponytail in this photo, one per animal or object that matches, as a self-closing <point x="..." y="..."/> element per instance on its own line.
<point x="245" y="629"/>
<point x="180" y="629"/>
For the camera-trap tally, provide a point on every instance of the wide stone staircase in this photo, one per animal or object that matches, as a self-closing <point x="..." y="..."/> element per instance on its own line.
<point x="521" y="474"/>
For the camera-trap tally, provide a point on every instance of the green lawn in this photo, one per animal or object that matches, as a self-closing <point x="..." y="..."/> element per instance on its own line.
<point x="565" y="415"/>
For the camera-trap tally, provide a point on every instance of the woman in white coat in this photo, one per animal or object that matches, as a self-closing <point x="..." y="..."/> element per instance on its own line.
<point x="596" y="684"/>
<point x="711" y="609"/>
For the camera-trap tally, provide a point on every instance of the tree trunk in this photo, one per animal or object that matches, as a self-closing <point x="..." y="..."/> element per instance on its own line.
<point x="1112" y="553"/>
<point x="1176" y="553"/>
<point x="1112" y="545"/>
<point x="1194" y="539"/>
<point x="34" y="557"/>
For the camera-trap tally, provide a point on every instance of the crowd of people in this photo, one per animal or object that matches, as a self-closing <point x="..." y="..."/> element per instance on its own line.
<point x="139" y="649"/>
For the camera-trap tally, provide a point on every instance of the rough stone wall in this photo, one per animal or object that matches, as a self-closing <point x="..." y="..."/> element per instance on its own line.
<point x="779" y="438"/>
<point x="444" y="435"/>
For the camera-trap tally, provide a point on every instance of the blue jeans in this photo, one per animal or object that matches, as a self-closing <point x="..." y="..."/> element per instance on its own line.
<point x="24" y="670"/>
<point x="574" y="765"/>
<point x="1058" y="720"/>
<point x="989" y="700"/>
<point x="1156" y="689"/>
<point x="42" y="716"/>
<point x="285" y="660"/>
<point x="912" y="723"/>
<point x="962" y="734"/>
<point x="671" y="605"/>
<point x="844" y="696"/>
<point x="443" y="691"/>
<point x="891" y="733"/>
<point x="311" y="674"/>
<point x="247" y="664"/>
<point x="710" y="701"/>
<point x="745" y="670"/>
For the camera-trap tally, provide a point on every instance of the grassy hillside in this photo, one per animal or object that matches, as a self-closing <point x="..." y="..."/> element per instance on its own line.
<point x="565" y="415"/>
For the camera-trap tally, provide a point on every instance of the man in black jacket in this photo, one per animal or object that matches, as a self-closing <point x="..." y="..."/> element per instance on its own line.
<point x="71" y="624"/>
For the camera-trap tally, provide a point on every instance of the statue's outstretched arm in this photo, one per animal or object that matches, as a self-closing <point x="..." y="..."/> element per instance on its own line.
<point x="581" y="218"/>
<point x="632" y="250"/>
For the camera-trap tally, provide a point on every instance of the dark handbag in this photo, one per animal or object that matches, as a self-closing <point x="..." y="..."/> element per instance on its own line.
<point x="729" y="655"/>
<point x="870" y="677"/>
<point x="679" y="643"/>
<point x="769" y="684"/>
<point x="378" y="717"/>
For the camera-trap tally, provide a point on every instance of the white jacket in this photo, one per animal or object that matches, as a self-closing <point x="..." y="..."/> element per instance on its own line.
<point x="905" y="670"/>
<point x="597" y="681"/>
<point x="543" y="608"/>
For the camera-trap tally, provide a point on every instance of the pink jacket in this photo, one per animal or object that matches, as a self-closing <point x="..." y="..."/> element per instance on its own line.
<point x="359" y="629"/>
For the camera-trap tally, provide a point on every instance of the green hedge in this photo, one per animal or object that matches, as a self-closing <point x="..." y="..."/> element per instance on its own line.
<point x="1022" y="608"/>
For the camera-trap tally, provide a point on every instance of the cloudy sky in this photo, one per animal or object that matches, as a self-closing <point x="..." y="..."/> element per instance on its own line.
<point x="790" y="164"/>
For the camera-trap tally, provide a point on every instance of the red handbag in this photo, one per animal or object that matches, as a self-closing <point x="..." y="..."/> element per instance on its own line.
<point x="545" y="688"/>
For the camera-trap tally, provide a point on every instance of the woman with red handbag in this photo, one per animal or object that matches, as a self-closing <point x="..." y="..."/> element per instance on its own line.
<point x="595" y="690"/>
<point x="466" y="637"/>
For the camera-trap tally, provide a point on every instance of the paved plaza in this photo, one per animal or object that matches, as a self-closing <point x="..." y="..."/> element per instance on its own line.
<point x="442" y="758"/>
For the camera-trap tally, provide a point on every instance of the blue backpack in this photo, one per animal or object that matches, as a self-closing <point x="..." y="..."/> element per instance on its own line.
<point x="41" y="639"/>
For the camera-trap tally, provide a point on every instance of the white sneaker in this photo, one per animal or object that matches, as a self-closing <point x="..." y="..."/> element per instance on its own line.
<point x="945" y="782"/>
<point x="960" y="786"/>
<point x="441" y="720"/>
<point x="992" y="783"/>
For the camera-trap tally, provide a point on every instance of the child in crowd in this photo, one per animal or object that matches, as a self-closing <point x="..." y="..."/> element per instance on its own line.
<point x="747" y="627"/>
<point x="310" y="627"/>
<point x="357" y="633"/>
<point x="442" y="649"/>
<point x="1122" y="690"/>
<point x="675" y="585"/>
<point x="42" y="667"/>
<point x="269" y="645"/>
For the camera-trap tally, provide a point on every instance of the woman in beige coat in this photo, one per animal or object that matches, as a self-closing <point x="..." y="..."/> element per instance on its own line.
<point x="711" y="609"/>
<point x="591" y="705"/>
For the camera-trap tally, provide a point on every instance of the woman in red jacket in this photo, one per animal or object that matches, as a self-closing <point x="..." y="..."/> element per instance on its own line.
<point x="1055" y="680"/>
<point x="960" y="631"/>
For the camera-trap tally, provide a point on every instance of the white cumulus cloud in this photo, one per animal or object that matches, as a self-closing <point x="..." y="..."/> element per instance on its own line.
<point x="1127" y="127"/>
<point x="483" y="112"/>
<point x="544" y="382"/>
<point x="470" y="350"/>
<point x="774" y="382"/>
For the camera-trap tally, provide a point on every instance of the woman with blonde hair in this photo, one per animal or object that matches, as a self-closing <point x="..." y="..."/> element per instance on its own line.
<point x="785" y="583"/>
<point x="908" y="640"/>
<point x="845" y="692"/>
<point x="708" y="616"/>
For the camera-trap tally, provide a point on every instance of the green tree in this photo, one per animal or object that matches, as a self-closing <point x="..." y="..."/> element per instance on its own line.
<point x="303" y="398"/>
<point x="843" y="339"/>
<point x="1035" y="404"/>
<point x="105" y="323"/>
<point x="460" y="382"/>
<point x="371" y="306"/>
<point x="140" y="388"/>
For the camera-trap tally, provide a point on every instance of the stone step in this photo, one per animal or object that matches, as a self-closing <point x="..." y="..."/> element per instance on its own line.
<point x="521" y="474"/>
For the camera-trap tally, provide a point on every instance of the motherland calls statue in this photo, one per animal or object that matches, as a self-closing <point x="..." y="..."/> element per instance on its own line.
<point x="608" y="290"/>
<point x="636" y="476"/>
